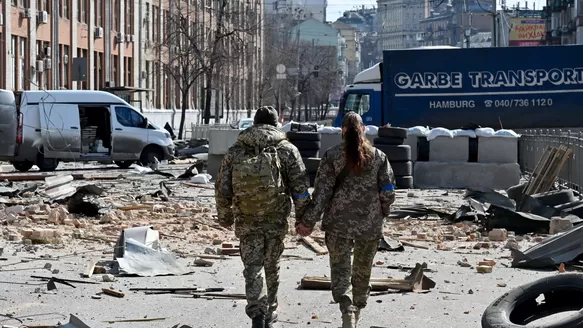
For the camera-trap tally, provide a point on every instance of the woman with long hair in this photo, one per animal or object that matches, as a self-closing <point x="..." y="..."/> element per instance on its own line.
<point x="354" y="190"/>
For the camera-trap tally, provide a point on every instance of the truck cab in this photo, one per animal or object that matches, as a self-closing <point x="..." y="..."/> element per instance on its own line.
<point x="363" y="97"/>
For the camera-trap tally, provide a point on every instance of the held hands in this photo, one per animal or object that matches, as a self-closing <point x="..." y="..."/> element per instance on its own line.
<point x="302" y="230"/>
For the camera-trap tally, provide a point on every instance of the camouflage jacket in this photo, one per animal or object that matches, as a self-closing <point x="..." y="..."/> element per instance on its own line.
<point x="294" y="175"/>
<point x="356" y="210"/>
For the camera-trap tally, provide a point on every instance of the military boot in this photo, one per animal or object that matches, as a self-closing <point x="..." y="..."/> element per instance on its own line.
<point x="258" y="322"/>
<point x="271" y="319"/>
<point x="348" y="320"/>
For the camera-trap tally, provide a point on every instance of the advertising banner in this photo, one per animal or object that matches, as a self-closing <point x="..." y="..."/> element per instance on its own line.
<point x="525" y="32"/>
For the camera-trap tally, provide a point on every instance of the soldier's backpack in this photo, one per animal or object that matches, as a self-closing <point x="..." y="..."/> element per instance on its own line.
<point x="258" y="185"/>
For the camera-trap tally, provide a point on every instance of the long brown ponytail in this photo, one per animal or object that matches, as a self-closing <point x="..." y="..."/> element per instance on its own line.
<point x="357" y="148"/>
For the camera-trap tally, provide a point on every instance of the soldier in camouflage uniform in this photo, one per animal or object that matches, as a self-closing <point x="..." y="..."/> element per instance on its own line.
<point x="354" y="189"/>
<point x="257" y="178"/>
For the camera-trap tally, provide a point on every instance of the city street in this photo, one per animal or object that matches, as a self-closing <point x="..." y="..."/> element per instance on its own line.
<point x="185" y="222"/>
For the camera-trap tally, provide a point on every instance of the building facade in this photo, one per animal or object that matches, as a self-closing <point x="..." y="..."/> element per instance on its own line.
<point x="564" y="21"/>
<point x="398" y="23"/>
<point x="352" y="53"/>
<point x="299" y="9"/>
<point x="93" y="44"/>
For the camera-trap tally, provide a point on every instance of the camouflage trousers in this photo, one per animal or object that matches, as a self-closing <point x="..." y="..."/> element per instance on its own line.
<point x="261" y="253"/>
<point x="350" y="281"/>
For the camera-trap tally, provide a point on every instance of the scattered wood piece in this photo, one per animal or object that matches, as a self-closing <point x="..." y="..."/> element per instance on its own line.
<point x="89" y="269"/>
<point x="55" y="279"/>
<point x="203" y="263"/>
<point x="408" y="244"/>
<point x="222" y="295"/>
<point x="228" y="251"/>
<point x="136" y="320"/>
<point x="314" y="246"/>
<point x="416" y="282"/>
<point x="196" y="185"/>
<point x="112" y="292"/>
<point x="213" y="257"/>
<point x="297" y="257"/>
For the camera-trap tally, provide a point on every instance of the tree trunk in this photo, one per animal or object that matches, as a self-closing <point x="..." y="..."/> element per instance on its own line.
<point x="183" y="116"/>
<point x="218" y="103"/>
<point x="207" y="98"/>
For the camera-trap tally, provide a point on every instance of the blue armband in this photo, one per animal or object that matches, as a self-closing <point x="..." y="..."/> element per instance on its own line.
<point x="389" y="187"/>
<point x="304" y="195"/>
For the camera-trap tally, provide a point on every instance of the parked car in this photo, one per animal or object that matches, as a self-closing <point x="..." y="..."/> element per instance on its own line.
<point x="243" y="123"/>
<point x="45" y="127"/>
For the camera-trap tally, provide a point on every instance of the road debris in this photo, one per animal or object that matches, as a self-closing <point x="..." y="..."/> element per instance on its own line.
<point x="416" y="281"/>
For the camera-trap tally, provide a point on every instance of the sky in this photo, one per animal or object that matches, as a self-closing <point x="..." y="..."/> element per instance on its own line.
<point x="337" y="7"/>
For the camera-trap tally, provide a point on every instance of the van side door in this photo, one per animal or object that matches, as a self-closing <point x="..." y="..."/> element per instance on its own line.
<point x="9" y="124"/>
<point x="60" y="130"/>
<point x="129" y="134"/>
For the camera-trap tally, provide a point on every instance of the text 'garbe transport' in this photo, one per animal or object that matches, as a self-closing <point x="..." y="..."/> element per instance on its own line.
<point x="485" y="79"/>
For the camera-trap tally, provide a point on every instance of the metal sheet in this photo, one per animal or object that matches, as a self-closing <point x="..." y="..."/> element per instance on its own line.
<point x="144" y="261"/>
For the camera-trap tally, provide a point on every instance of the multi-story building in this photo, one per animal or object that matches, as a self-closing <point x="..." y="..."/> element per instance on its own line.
<point x="352" y="39"/>
<point x="564" y="21"/>
<point x="365" y="22"/>
<point x="94" y="44"/>
<point x="455" y="22"/>
<point x="398" y="23"/>
<point x="299" y="9"/>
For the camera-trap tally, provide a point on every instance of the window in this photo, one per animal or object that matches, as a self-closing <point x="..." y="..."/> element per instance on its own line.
<point x="129" y="117"/>
<point x="98" y="18"/>
<point x="357" y="102"/>
<point x="82" y="11"/>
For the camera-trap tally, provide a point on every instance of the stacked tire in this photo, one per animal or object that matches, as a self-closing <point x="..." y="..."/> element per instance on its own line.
<point x="308" y="143"/>
<point x="391" y="142"/>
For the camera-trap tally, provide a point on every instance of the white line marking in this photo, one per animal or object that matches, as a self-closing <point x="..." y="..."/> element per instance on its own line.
<point x="460" y="94"/>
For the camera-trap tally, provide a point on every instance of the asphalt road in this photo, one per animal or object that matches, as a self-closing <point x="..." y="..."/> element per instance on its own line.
<point x="459" y="299"/>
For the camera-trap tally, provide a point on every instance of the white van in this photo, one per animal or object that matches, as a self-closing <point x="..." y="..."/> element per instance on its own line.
<point x="45" y="127"/>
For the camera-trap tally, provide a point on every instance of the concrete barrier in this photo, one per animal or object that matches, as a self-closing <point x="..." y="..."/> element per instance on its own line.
<point x="213" y="164"/>
<point x="221" y="140"/>
<point x="455" y="175"/>
<point x="411" y="141"/>
<point x="446" y="149"/>
<point x="497" y="150"/>
<point x="329" y="140"/>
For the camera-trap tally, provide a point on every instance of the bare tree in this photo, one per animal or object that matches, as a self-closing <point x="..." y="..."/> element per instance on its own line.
<point x="176" y="54"/>
<point x="198" y="41"/>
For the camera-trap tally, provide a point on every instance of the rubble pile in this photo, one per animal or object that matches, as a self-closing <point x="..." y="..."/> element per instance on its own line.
<point x="61" y="211"/>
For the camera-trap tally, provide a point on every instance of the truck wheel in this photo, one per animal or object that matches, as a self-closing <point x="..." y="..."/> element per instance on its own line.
<point x="393" y="133"/>
<point x="519" y="306"/>
<point x="46" y="164"/>
<point x="124" y="164"/>
<point x="404" y="182"/>
<point x="22" y="166"/>
<point x="401" y="169"/>
<point x="303" y="136"/>
<point x="388" y="141"/>
<point x="400" y="153"/>
<point x="148" y="155"/>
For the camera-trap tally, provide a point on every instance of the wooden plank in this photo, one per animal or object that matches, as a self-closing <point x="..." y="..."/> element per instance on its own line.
<point x="314" y="246"/>
<point x="112" y="292"/>
<point x="88" y="270"/>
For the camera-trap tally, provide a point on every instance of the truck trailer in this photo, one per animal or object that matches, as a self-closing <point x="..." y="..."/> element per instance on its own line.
<point x="508" y="87"/>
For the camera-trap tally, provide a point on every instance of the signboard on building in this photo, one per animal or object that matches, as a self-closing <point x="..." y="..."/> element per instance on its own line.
<point x="526" y="32"/>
